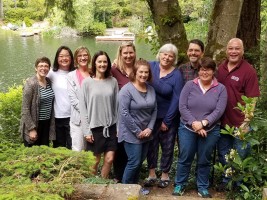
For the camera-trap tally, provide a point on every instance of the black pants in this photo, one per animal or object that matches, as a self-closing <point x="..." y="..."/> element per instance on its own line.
<point x="43" y="134"/>
<point x="63" y="138"/>
<point x="120" y="162"/>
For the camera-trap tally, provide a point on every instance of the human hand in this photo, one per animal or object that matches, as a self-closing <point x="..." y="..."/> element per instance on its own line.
<point x="33" y="135"/>
<point x="197" y="125"/>
<point x="202" y="132"/>
<point x="89" y="138"/>
<point x="147" y="132"/>
<point x="163" y="127"/>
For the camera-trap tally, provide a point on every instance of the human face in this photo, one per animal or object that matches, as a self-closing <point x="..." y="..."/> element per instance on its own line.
<point x="166" y="59"/>
<point x="101" y="64"/>
<point x="42" y="69"/>
<point x="64" y="60"/>
<point x="142" y="74"/>
<point x="234" y="51"/>
<point x="205" y="75"/>
<point x="128" y="55"/>
<point x="82" y="58"/>
<point x="194" y="53"/>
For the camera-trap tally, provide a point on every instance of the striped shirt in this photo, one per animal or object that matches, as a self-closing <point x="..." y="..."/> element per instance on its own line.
<point x="46" y="102"/>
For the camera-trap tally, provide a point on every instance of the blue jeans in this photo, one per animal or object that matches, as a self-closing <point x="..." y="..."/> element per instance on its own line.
<point x="190" y="144"/>
<point x="228" y="142"/>
<point x="136" y="155"/>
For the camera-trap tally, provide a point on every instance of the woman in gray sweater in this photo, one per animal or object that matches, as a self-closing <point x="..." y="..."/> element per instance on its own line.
<point x="99" y="110"/>
<point x="137" y="116"/>
<point x="37" y="124"/>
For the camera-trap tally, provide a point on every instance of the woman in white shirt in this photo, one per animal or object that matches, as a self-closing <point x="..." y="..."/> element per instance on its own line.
<point x="63" y="64"/>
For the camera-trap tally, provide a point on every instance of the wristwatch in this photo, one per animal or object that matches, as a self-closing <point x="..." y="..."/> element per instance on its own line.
<point x="204" y="123"/>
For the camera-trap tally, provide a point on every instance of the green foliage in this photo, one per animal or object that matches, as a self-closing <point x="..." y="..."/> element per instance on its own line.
<point x="250" y="172"/>
<point x="16" y="16"/>
<point x="41" y="172"/>
<point x="10" y="112"/>
<point x="196" y="29"/>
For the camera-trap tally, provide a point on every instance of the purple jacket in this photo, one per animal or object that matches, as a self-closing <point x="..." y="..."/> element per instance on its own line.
<point x="196" y="106"/>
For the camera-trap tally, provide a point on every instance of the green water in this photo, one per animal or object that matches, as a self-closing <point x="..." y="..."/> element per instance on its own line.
<point x="18" y="54"/>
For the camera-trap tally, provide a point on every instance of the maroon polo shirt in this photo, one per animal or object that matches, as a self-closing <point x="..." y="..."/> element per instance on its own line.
<point x="121" y="77"/>
<point x="242" y="80"/>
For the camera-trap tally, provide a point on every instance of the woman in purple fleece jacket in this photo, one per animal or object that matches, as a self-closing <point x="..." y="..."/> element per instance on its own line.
<point x="202" y="103"/>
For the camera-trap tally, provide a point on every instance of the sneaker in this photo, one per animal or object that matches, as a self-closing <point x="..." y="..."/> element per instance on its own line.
<point x="204" y="194"/>
<point x="178" y="190"/>
<point x="144" y="191"/>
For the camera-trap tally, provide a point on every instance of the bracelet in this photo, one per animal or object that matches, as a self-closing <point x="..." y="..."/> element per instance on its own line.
<point x="202" y="124"/>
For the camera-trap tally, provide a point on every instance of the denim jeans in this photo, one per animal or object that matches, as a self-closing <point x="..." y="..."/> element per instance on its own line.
<point x="136" y="155"/>
<point x="191" y="143"/>
<point x="228" y="142"/>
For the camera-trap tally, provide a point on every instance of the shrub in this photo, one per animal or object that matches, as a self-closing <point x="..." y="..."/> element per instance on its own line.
<point x="10" y="114"/>
<point x="41" y="172"/>
<point x="249" y="175"/>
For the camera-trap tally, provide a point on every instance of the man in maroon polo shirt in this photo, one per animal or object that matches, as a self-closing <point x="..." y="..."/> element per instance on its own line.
<point x="239" y="78"/>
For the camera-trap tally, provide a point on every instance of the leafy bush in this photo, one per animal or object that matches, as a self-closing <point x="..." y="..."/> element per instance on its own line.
<point x="249" y="175"/>
<point x="17" y="15"/>
<point x="10" y="114"/>
<point x="41" y="172"/>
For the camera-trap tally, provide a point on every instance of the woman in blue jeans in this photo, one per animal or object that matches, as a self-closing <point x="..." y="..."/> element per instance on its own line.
<point x="137" y="116"/>
<point x="202" y="103"/>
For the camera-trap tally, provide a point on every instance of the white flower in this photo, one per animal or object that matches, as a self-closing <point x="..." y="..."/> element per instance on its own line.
<point x="229" y="172"/>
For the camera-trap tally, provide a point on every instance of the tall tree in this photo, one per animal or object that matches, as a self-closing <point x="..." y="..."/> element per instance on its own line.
<point x="249" y="28"/>
<point x="169" y="24"/>
<point x="1" y="10"/>
<point x="223" y="26"/>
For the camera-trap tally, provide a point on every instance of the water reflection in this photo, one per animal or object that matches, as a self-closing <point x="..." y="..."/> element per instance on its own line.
<point x="18" y="54"/>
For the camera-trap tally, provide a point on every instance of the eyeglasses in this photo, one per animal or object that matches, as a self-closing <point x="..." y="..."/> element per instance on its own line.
<point x="43" y="66"/>
<point x="82" y="55"/>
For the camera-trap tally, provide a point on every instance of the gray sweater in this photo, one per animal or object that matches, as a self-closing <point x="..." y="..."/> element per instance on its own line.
<point x="98" y="104"/>
<point x="136" y="113"/>
<point x="30" y="109"/>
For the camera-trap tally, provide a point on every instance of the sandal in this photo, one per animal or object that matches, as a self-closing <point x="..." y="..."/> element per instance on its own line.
<point x="164" y="183"/>
<point x="150" y="182"/>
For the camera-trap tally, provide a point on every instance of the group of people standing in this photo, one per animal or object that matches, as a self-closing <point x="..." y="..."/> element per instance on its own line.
<point x="127" y="109"/>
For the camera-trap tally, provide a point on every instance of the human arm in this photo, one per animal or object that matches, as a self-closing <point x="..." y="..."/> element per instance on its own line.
<point x="186" y="114"/>
<point x="220" y="106"/>
<point x="173" y="108"/>
<point x="125" y="98"/>
<point x="72" y="90"/>
<point x="85" y="121"/>
<point x="27" y="101"/>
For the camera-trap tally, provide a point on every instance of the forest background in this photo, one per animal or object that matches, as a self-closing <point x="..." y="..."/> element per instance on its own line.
<point x="213" y="21"/>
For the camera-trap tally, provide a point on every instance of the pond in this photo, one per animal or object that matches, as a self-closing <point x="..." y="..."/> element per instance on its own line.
<point x="18" y="54"/>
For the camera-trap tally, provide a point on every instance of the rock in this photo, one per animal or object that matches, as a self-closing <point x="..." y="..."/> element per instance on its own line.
<point x="107" y="191"/>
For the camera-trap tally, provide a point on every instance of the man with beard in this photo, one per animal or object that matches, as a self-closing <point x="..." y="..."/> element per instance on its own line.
<point x="194" y="52"/>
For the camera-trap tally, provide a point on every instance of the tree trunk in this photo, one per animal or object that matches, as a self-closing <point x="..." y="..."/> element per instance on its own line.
<point x="249" y="27"/>
<point x="223" y="26"/>
<point x="1" y="10"/>
<point x="249" y="30"/>
<point x="167" y="17"/>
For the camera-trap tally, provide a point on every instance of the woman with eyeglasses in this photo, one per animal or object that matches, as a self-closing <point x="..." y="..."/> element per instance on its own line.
<point x="37" y="118"/>
<point x="202" y="103"/>
<point x="63" y="64"/>
<point x="82" y="59"/>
